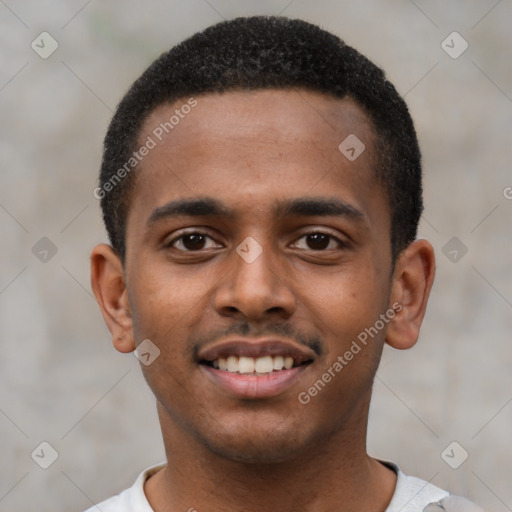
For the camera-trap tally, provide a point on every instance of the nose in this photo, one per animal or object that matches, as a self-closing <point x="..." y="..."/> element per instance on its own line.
<point x="255" y="288"/>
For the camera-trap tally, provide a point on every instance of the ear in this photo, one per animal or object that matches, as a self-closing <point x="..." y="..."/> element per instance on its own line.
<point x="412" y="281"/>
<point x="108" y="284"/>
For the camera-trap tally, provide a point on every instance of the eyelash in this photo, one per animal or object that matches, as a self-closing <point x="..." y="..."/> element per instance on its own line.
<point x="196" y="232"/>
<point x="170" y="244"/>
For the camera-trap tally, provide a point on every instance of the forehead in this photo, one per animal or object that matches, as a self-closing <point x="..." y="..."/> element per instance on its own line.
<point x="262" y="114"/>
<point x="251" y="147"/>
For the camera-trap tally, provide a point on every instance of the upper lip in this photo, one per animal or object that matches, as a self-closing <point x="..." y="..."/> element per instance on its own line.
<point x="256" y="348"/>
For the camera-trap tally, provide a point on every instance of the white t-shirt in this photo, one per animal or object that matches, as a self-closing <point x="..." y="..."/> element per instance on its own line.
<point x="411" y="495"/>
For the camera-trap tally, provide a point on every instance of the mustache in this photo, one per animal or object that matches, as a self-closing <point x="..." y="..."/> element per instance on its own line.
<point x="312" y="341"/>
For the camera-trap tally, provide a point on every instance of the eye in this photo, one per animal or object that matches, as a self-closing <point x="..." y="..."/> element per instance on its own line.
<point x="318" y="241"/>
<point x="192" y="241"/>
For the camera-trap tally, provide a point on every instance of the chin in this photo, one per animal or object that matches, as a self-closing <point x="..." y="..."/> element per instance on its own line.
<point x="251" y="453"/>
<point x="259" y="446"/>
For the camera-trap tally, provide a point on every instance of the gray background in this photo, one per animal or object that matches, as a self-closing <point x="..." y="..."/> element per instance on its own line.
<point x="61" y="380"/>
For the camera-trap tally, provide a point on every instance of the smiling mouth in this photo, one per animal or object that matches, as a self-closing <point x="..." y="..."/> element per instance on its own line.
<point x="259" y="366"/>
<point x="255" y="358"/>
<point x="255" y="369"/>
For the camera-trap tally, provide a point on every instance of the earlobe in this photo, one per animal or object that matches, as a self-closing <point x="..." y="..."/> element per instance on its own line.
<point x="412" y="282"/>
<point x="108" y="284"/>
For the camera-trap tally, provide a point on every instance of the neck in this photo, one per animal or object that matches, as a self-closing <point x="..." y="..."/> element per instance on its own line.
<point x="334" y="474"/>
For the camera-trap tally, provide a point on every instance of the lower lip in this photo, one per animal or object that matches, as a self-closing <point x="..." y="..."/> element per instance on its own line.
<point x="254" y="386"/>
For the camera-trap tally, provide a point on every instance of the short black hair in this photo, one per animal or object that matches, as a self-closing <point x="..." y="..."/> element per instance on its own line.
<point x="267" y="52"/>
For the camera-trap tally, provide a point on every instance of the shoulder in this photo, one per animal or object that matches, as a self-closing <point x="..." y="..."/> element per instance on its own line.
<point x="417" y="495"/>
<point x="132" y="499"/>
<point x="453" y="504"/>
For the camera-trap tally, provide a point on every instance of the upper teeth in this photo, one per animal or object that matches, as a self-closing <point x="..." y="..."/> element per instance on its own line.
<point x="244" y="364"/>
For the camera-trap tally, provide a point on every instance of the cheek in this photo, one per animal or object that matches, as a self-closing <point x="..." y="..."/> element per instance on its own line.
<point x="163" y="300"/>
<point x="166" y="305"/>
<point x="348" y="298"/>
<point x="349" y="307"/>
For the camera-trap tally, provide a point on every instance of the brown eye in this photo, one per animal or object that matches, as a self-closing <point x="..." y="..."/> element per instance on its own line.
<point x="318" y="241"/>
<point x="193" y="241"/>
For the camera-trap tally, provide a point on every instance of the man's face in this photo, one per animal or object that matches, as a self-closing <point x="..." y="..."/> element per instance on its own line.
<point x="264" y="269"/>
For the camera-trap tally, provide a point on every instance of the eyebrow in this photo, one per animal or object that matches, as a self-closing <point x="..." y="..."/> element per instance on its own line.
<point x="310" y="207"/>
<point x="209" y="207"/>
<point x="199" y="207"/>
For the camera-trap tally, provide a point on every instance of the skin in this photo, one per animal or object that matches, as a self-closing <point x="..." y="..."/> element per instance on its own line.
<point x="250" y="151"/>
